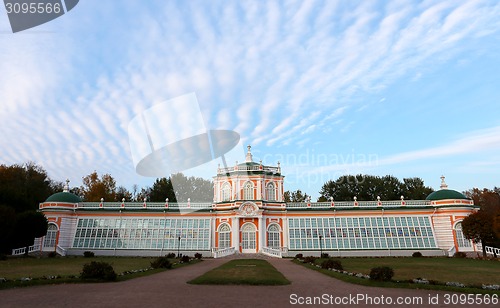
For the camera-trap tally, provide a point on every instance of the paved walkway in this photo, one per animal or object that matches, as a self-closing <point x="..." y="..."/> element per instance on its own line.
<point x="169" y="289"/>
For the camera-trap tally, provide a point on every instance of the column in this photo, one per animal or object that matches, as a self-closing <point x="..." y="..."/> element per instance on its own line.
<point x="262" y="232"/>
<point x="235" y="233"/>
<point x="284" y="232"/>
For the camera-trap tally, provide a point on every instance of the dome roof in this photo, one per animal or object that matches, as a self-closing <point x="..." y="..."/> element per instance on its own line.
<point x="443" y="194"/>
<point x="65" y="197"/>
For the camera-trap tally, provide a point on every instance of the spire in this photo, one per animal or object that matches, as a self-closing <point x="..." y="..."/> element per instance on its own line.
<point x="66" y="187"/>
<point x="443" y="184"/>
<point x="249" y="158"/>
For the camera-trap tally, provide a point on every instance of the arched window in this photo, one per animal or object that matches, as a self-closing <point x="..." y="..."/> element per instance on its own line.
<point x="461" y="240"/>
<point x="226" y="192"/>
<point x="51" y="236"/>
<point x="271" y="192"/>
<point x="224" y="236"/>
<point x="273" y="236"/>
<point x="248" y="191"/>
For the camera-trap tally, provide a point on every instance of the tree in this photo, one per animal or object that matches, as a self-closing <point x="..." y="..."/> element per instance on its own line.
<point x="122" y="193"/>
<point x="95" y="188"/>
<point x="29" y="225"/>
<point x="295" y="196"/>
<point x="161" y="190"/>
<point x="7" y="222"/>
<point x="23" y="187"/>
<point x="481" y="226"/>
<point x="369" y="187"/>
<point x="414" y="189"/>
<point x="195" y="188"/>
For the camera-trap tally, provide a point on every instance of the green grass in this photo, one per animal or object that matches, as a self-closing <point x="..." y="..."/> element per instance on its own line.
<point x="243" y="272"/>
<point x="67" y="269"/>
<point x="466" y="271"/>
<point x="470" y="272"/>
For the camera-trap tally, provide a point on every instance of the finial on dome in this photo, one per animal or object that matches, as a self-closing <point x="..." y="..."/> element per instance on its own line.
<point x="249" y="158"/>
<point x="443" y="184"/>
<point x="66" y="187"/>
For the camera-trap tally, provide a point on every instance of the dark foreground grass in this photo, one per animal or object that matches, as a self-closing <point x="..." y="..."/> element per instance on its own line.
<point x="472" y="273"/>
<point x="41" y="271"/>
<point x="243" y="272"/>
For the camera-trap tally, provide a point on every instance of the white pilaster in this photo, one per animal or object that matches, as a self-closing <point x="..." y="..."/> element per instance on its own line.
<point x="262" y="232"/>
<point x="235" y="234"/>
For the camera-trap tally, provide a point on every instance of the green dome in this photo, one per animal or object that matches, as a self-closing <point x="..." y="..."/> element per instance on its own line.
<point x="444" y="194"/>
<point x="65" y="197"/>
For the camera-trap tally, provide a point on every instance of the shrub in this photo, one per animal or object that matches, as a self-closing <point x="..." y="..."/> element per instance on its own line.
<point x="52" y="254"/>
<point x="383" y="273"/>
<point x="331" y="263"/>
<point x="324" y="255"/>
<point x="417" y="254"/>
<point x="310" y="259"/>
<point x="185" y="259"/>
<point x="170" y="255"/>
<point x="161" y="262"/>
<point x="460" y="254"/>
<point x="197" y="255"/>
<point x="88" y="254"/>
<point x="3" y="257"/>
<point x="299" y="256"/>
<point x="98" y="270"/>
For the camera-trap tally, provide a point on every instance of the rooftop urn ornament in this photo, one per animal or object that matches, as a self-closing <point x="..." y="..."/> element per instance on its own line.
<point x="166" y="203"/>
<point x="356" y="201"/>
<point x="123" y="202"/>
<point x="403" y="202"/>
<point x="100" y="204"/>
<point x="379" y="203"/>
<point x="331" y="201"/>
<point x="443" y="183"/>
<point x="144" y="204"/>
<point x="249" y="157"/>
<point x="66" y="187"/>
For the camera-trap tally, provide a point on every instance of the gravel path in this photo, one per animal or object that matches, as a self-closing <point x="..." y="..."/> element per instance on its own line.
<point x="169" y="289"/>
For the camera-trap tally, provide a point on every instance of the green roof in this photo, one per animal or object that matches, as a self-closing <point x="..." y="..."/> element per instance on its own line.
<point x="444" y="194"/>
<point x="65" y="197"/>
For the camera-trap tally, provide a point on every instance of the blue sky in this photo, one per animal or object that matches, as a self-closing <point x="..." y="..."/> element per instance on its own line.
<point x="408" y="88"/>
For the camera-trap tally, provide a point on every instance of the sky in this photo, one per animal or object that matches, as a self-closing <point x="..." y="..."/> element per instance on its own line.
<point x="327" y="88"/>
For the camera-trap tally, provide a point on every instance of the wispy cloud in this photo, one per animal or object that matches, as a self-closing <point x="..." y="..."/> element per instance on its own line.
<point x="274" y="72"/>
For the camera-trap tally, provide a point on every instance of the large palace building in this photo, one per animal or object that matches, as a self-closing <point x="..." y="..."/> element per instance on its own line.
<point x="249" y="215"/>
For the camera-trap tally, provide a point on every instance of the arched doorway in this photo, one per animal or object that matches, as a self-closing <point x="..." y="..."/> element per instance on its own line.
<point x="224" y="236"/>
<point x="49" y="241"/>
<point x="248" y="238"/>
<point x="273" y="236"/>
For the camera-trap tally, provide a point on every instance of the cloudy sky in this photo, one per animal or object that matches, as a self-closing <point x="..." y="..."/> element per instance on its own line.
<point x="408" y="88"/>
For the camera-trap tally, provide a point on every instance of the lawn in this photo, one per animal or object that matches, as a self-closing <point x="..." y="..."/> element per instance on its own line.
<point x="471" y="272"/>
<point x="15" y="268"/>
<point x="467" y="271"/>
<point x="67" y="269"/>
<point x="243" y="272"/>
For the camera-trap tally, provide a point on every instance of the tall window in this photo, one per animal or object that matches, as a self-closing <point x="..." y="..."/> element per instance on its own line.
<point x="224" y="236"/>
<point x="226" y="192"/>
<point x="248" y="191"/>
<point x="50" y="237"/>
<point x="273" y="236"/>
<point x="461" y="240"/>
<point x="271" y="192"/>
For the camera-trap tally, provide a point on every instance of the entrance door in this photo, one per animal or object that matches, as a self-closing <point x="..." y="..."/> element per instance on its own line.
<point x="248" y="238"/>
